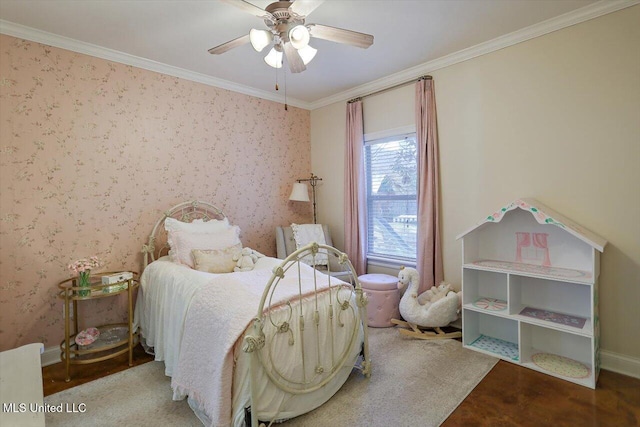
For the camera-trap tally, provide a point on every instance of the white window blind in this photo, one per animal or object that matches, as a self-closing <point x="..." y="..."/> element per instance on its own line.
<point x="392" y="177"/>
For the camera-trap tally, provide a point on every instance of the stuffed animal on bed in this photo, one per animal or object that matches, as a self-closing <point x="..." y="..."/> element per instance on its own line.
<point x="246" y="259"/>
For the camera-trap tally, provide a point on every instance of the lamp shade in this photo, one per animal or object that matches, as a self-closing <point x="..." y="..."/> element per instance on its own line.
<point x="274" y="58"/>
<point x="307" y="53"/>
<point x="299" y="193"/>
<point x="260" y="39"/>
<point x="299" y="36"/>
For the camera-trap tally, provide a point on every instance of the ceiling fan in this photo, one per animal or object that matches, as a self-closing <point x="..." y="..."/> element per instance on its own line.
<point x="289" y="33"/>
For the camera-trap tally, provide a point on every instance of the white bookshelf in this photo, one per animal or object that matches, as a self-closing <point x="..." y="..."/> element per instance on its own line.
<point x="530" y="291"/>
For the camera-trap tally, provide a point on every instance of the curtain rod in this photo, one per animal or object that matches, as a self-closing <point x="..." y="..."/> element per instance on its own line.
<point x="389" y="88"/>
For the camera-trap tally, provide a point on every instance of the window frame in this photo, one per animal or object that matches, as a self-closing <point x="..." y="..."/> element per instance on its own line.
<point x="384" y="260"/>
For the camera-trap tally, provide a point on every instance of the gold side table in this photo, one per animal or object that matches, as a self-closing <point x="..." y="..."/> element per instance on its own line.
<point x="114" y="340"/>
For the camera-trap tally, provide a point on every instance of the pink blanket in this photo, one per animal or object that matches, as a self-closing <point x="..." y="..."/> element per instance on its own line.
<point x="218" y="315"/>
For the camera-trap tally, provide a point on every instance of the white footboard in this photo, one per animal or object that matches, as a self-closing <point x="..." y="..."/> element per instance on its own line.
<point x="331" y="330"/>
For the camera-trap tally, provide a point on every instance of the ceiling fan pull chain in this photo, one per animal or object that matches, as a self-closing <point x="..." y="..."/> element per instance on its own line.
<point x="284" y="71"/>
<point x="276" y="79"/>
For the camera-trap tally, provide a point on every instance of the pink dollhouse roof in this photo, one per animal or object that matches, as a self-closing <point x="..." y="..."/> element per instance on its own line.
<point x="544" y="215"/>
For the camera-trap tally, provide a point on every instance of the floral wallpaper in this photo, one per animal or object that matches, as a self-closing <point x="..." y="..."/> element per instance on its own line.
<point x="92" y="152"/>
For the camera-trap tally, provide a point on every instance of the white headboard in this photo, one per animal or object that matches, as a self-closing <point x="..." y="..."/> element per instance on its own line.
<point x="185" y="212"/>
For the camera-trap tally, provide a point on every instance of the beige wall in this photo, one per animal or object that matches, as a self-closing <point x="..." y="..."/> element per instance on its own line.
<point x="388" y="110"/>
<point x="556" y="118"/>
<point x="92" y="152"/>
<point x="328" y="132"/>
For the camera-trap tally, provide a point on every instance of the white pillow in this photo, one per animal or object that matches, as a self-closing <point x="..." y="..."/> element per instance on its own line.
<point x="197" y="226"/>
<point x="216" y="260"/>
<point x="183" y="242"/>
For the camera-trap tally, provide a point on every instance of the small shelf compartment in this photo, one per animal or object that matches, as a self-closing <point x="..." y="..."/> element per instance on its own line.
<point x="489" y="334"/>
<point x="558" y="353"/>
<point x="484" y="290"/>
<point x="559" y="305"/>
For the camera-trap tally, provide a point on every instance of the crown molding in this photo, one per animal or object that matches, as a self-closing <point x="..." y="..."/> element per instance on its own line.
<point x="38" y="36"/>
<point x="577" y="16"/>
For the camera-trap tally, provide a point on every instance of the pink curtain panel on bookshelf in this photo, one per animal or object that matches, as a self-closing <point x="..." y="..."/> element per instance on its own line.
<point x="524" y="240"/>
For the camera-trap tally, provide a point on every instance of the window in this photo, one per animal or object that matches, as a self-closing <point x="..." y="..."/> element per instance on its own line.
<point x="392" y="180"/>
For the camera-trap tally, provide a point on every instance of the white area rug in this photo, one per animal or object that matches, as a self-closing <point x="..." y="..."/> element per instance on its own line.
<point x="413" y="383"/>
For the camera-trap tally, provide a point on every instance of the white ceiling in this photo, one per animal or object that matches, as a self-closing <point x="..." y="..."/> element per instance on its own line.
<point x="178" y="34"/>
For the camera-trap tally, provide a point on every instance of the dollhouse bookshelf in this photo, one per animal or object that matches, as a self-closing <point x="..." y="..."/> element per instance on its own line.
<point x="530" y="291"/>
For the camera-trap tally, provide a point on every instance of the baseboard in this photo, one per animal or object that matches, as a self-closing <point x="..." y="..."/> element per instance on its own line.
<point x="625" y="365"/>
<point x="50" y="356"/>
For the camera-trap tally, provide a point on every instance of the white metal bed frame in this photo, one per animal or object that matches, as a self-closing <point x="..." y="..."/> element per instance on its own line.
<point x="185" y="212"/>
<point x="256" y="343"/>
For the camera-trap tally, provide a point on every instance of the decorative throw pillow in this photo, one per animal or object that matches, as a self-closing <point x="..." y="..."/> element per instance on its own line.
<point x="215" y="260"/>
<point x="183" y="242"/>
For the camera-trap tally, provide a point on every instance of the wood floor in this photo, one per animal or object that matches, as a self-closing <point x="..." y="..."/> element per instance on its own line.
<point x="53" y="375"/>
<point x="509" y="395"/>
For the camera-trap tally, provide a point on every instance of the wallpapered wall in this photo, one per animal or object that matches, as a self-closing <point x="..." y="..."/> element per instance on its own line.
<point x="92" y="152"/>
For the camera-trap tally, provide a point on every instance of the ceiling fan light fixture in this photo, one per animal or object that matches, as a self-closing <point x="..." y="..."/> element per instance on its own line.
<point x="307" y="53"/>
<point x="299" y="36"/>
<point x="260" y="39"/>
<point x="288" y="35"/>
<point x="274" y="58"/>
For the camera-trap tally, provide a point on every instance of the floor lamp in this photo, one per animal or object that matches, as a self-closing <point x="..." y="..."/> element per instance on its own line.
<point x="300" y="192"/>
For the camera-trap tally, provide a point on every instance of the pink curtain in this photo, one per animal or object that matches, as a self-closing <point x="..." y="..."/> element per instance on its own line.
<point x="523" y="240"/>
<point x="355" y="231"/>
<point x="429" y="262"/>
<point x="540" y="242"/>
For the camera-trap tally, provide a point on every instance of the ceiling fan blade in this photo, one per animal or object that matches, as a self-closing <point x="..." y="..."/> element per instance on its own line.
<point x="250" y="8"/>
<point x="305" y="7"/>
<point x="339" y="35"/>
<point x="229" y="45"/>
<point x="293" y="58"/>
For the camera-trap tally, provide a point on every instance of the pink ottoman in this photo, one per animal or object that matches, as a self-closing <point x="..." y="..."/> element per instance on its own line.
<point x="384" y="298"/>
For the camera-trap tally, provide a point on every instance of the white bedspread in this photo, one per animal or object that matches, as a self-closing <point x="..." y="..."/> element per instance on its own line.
<point x="205" y="367"/>
<point x="161" y="309"/>
<point x="193" y="327"/>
